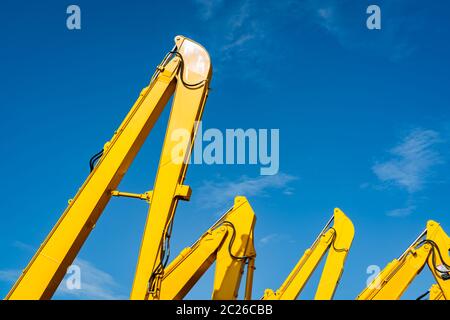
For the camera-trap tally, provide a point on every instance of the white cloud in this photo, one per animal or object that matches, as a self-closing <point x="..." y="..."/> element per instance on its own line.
<point x="346" y="23"/>
<point x="289" y="191"/>
<point x="275" y="238"/>
<point x="402" y="212"/>
<point x="412" y="161"/>
<point x="208" y="7"/>
<point x="96" y="284"/>
<point x="9" y="275"/>
<point x="265" y="240"/>
<point x="24" y="246"/>
<point x="325" y="13"/>
<point x="238" y="42"/>
<point x="243" y="28"/>
<point x="242" y="31"/>
<point x="219" y="194"/>
<point x="327" y="19"/>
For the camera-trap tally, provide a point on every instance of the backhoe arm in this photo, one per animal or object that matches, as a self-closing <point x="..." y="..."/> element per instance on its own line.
<point x="186" y="71"/>
<point x="229" y="242"/>
<point x="338" y="240"/>
<point x="187" y="109"/>
<point x="430" y="248"/>
<point x="436" y="293"/>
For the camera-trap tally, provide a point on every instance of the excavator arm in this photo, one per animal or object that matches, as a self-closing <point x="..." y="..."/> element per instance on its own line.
<point x="229" y="243"/>
<point x="337" y="239"/>
<point x="436" y="293"/>
<point x="185" y="71"/>
<point x="430" y="248"/>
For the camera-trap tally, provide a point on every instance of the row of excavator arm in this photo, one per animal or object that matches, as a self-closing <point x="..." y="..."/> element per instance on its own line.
<point x="185" y="73"/>
<point x="430" y="249"/>
<point x="229" y="243"/>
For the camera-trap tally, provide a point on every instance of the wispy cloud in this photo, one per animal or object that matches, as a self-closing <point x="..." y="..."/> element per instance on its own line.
<point x="208" y="7"/>
<point x="275" y="238"/>
<point x="346" y="22"/>
<point x="327" y="18"/>
<point x="96" y="284"/>
<point x="248" y="33"/>
<point x="401" y="212"/>
<point x="23" y="246"/>
<point x="9" y="275"/>
<point x="411" y="162"/>
<point x="244" y="32"/>
<point x="244" y="29"/>
<point x="220" y="194"/>
<point x="237" y="42"/>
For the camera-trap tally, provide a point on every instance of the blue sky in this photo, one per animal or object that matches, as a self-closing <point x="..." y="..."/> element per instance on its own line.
<point x="363" y="116"/>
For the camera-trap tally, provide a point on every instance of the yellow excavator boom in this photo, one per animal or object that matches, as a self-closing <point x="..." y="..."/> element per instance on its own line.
<point x="229" y="243"/>
<point x="338" y="240"/>
<point x="430" y="248"/>
<point x="436" y="293"/>
<point x="185" y="71"/>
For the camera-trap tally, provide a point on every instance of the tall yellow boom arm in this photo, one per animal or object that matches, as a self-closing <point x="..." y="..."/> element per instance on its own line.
<point x="337" y="239"/>
<point x="430" y="248"/>
<point x="229" y="242"/>
<point x="186" y="71"/>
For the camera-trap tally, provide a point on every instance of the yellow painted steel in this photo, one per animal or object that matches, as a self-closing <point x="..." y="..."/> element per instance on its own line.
<point x="229" y="243"/>
<point x="186" y="72"/>
<point x="436" y="293"/>
<point x="393" y="280"/>
<point x="186" y="111"/>
<point x="338" y="240"/>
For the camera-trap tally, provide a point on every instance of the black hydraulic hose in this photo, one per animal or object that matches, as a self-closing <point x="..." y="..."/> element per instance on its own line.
<point x="94" y="160"/>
